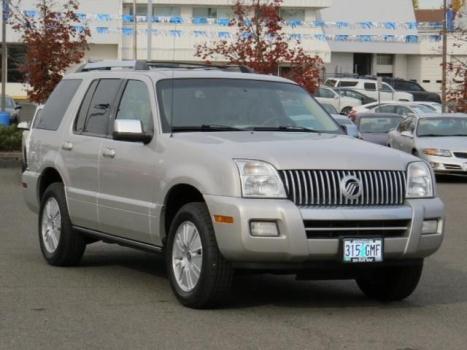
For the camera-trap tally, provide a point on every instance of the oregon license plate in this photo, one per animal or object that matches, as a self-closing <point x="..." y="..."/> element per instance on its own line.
<point x="361" y="250"/>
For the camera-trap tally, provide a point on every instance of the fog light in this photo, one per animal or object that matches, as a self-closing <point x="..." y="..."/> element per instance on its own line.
<point x="430" y="226"/>
<point x="264" y="229"/>
<point x="435" y="165"/>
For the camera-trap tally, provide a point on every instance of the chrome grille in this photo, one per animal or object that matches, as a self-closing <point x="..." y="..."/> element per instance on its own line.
<point x="309" y="188"/>
<point x="461" y="154"/>
<point x="334" y="229"/>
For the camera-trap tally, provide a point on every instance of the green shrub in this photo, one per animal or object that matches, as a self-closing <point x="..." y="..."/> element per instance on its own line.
<point x="10" y="138"/>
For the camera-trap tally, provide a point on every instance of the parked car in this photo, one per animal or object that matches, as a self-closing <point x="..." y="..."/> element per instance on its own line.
<point x="404" y="109"/>
<point x="25" y="126"/>
<point x="412" y="87"/>
<point x="374" y="127"/>
<point x="365" y="108"/>
<point x="439" y="139"/>
<point x="216" y="181"/>
<point x="342" y="104"/>
<point x="347" y="92"/>
<point x="369" y="87"/>
<point x="13" y="109"/>
<point x="349" y="127"/>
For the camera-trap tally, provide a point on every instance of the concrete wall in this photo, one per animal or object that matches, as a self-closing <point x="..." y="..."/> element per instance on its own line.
<point x="341" y="62"/>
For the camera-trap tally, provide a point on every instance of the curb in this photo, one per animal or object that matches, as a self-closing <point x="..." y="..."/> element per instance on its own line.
<point x="10" y="159"/>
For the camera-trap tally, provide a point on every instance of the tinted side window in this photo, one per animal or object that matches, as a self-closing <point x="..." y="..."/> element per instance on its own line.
<point x="385" y="109"/>
<point x="135" y="104"/>
<point x="98" y="118"/>
<point x="57" y="105"/>
<point x="370" y="86"/>
<point x="83" y="110"/>
<point x="348" y="83"/>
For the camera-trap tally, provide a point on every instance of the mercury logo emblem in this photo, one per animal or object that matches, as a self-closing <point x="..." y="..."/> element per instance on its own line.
<point x="351" y="187"/>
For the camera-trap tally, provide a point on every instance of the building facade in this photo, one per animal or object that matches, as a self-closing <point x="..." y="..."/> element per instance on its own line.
<point x="365" y="37"/>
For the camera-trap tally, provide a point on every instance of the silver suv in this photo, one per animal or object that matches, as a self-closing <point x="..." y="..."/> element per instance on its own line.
<point x="223" y="170"/>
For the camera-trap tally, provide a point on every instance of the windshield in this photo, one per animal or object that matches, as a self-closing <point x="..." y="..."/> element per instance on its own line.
<point x="423" y="109"/>
<point x="329" y="108"/>
<point x="443" y="126"/>
<point x="378" y="125"/>
<point x="239" y="104"/>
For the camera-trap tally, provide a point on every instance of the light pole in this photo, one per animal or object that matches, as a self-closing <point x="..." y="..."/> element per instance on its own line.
<point x="135" y="32"/>
<point x="445" y="56"/>
<point x="5" y="13"/>
<point x="149" y="32"/>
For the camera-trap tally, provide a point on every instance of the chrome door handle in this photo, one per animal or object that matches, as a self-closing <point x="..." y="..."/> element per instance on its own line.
<point x="67" y="146"/>
<point x="109" y="153"/>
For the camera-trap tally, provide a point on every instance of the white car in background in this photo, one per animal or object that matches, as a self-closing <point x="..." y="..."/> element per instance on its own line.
<point x="405" y="109"/>
<point x="342" y="104"/>
<point x="369" y="88"/>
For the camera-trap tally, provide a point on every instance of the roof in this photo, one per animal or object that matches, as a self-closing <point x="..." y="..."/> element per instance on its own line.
<point x="377" y="115"/>
<point x="429" y="15"/>
<point x="179" y="73"/>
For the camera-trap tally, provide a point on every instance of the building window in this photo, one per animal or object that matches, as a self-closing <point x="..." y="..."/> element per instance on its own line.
<point x="289" y="14"/>
<point x="205" y="12"/>
<point x="385" y="60"/>
<point x="166" y="11"/>
<point x="141" y="9"/>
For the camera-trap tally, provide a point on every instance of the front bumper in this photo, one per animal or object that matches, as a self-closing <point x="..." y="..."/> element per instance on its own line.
<point x="447" y="165"/>
<point x="292" y="246"/>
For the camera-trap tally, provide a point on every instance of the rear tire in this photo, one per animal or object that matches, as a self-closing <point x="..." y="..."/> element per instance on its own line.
<point x="391" y="283"/>
<point x="199" y="275"/>
<point x="60" y="244"/>
<point x="346" y="110"/>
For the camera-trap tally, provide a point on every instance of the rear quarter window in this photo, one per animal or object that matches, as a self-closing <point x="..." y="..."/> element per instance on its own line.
<point x="57" y="104"/>
<point x="348" y="83"/>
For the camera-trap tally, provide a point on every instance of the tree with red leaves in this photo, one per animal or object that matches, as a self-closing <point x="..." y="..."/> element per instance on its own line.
<point x="260" y="44"/>
<point x="54" y="39"/>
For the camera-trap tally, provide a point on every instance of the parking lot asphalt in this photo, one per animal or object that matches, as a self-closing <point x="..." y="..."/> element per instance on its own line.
<point x="120" y="299"/>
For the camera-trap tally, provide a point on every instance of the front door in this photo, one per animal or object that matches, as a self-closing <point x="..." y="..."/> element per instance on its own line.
<point x="127" y="172"/>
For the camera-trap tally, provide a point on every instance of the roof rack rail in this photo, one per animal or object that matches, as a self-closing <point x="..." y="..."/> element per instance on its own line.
<point x="142" y="65"/>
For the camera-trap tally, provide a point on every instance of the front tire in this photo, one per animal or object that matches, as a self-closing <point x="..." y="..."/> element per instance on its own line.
<point x="60" y="244"/>
<point x="391" y="283"/>
<point x="199" y="275"/>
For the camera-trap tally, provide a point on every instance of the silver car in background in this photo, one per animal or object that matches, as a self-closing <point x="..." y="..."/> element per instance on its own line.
<point x="375" y="127"/>
<point x="439" y="139"/>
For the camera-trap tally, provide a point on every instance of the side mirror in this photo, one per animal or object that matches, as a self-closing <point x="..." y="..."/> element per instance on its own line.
<point x="130" y="130"/>
<point x="407" y="134"/>
<point x="23" y="126"/>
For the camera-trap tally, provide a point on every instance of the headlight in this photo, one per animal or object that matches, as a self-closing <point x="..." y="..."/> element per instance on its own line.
<point x="259" y="179"/>
<point x="419" y="181"/>
<point x="437" y="152"/>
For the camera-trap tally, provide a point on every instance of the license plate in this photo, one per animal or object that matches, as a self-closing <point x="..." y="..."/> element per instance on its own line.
<point x="362" y="250"/>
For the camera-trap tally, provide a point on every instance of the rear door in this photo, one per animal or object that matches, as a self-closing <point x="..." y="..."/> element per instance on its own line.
<point x="80" y="150"/>
<point x="127" y="170"/>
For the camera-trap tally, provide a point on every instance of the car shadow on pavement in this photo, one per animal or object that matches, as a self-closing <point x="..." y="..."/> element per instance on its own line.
<point x="440" y="285"/>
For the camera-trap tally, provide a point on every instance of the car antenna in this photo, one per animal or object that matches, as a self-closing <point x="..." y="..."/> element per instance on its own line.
<point x="172" y="98"/>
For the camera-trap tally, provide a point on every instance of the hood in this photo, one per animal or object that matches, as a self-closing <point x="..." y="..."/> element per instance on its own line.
<point x="425" y="96"/>
<point x="292" y="150"/>
<point x="380" y="139"/>
<point x="454" y="143"/>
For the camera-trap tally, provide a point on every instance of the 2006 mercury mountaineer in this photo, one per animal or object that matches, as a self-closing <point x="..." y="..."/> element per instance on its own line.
<point x="224" y="170"/>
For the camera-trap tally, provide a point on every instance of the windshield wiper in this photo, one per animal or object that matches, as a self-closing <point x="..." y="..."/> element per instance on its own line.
<point x="283" y="128"/>
<point x="206" y="128"/>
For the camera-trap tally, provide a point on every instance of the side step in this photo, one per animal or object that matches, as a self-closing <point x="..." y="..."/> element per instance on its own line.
<point x="118" y="240"/>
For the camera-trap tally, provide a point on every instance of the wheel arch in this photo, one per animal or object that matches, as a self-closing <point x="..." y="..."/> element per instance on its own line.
<point x="178" y="195"/>
<point x="49" y="175"/>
